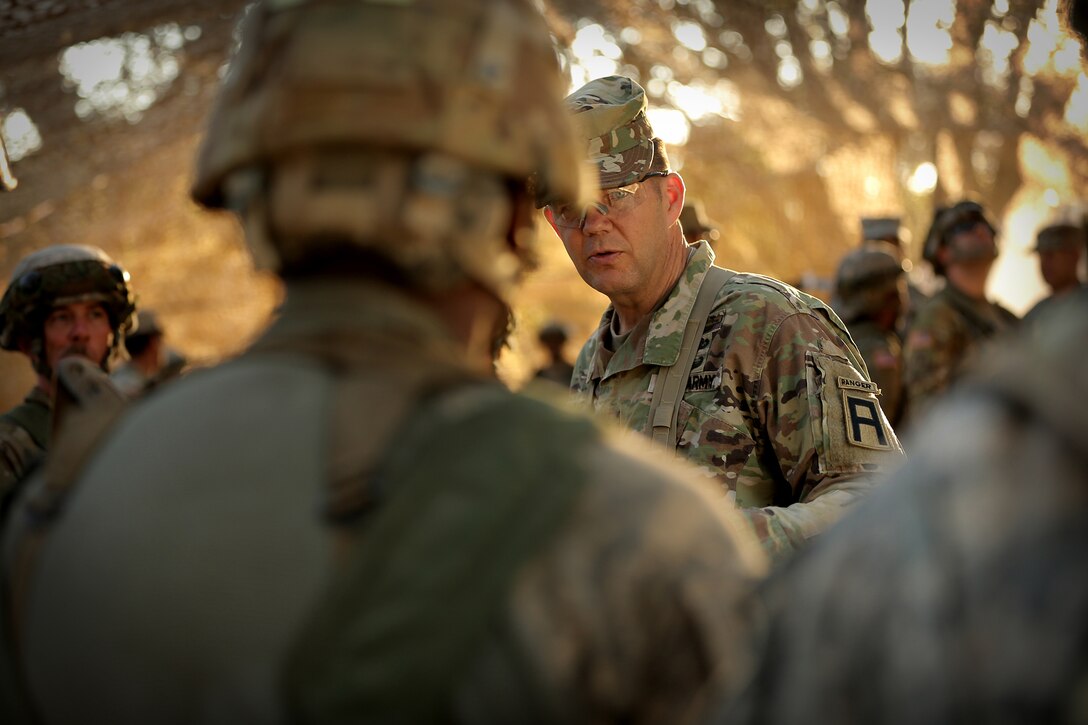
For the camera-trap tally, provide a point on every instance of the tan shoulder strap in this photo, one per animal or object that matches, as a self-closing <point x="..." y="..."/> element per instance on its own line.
<point x="669" y="385"/>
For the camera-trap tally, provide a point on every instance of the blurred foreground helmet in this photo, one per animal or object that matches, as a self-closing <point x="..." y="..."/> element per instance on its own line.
<point x="949" y="221"/>
<point x="61" y="275"/>
<point x="399" y="128"/>
<point x="866" y="277"/>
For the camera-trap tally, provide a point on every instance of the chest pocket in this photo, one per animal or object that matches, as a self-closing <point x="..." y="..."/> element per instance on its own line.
<point x="851" y="432"/>
<point x="722" y="449"/>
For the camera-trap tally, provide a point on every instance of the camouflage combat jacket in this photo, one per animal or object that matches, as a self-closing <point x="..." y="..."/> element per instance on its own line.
<point x="883" y="354"/>
<point x="24" y="437"/>
<point x="227" y="507"/>
<point x="778" y="408"/>
<point x="945" y="338"/>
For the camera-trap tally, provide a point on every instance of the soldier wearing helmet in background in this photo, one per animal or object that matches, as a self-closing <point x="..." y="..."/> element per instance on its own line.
<point x="889" y="230"/>
<point x="1060" y="248"/>
<point x="871" y="296"/>
<point x="952" y="326"/>
<point x="553" y="338"/>
<point x="756" y="382"/>
<point x="353" y="522"/>
<point x="151" y="362"/>
<point x="65" y="300"/>
<point x="696" y="224"/>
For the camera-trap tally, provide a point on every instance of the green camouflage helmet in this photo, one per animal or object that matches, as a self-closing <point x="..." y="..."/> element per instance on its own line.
<point x="866" y="277"/>
<point x="946" y="222"/>
<point x="396" y="127"/>
<point x="61" y="275"/>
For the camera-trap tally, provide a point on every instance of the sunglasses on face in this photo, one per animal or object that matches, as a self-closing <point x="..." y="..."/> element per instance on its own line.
<point x="617" y="200"/>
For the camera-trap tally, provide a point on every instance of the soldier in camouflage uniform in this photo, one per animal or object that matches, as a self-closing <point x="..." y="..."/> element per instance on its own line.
<point x="871" y="297"/>
<point x="353" y="522"/>
<point x="1060" y="248"/>
<point x="696" y="225"/>
<point x="63" y="300"/>
<point x="957" y="594"/>
<point x="952" y="327"/>
<point x="775" y="404"/>
<point x="889" y="230"/>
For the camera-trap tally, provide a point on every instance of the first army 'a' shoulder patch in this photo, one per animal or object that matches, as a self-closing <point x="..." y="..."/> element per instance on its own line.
<point x="861" y="413"/>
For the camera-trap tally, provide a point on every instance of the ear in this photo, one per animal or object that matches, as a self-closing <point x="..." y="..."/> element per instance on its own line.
<point x="551" y="220"/>
<point x="944" y="255"/>
<point x="674" y="193"/>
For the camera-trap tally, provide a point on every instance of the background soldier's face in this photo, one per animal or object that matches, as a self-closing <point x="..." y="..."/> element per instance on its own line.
<point x="972" y="245"/>
<point x="1059" y="266"/>
<point x="78" y="328"/>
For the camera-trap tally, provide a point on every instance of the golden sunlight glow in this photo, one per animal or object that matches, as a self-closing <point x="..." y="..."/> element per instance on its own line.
<point x="670" y="125"/>
<point x="949" y="169"/>
<point x="1044" y="33"/>
<point x="886" y="17"/>
<point x="872" y="186"/>
<point x="596" y="55"/>
<point x="1024" y="97"/>
<point x="837" y="20"/>
<point x="690" y="35"/>
<point x="928" y="37"/>
<point x="21" y="136"/>
<point x="701" y="101"/>
<point x="923" y="180"/>
<point x="1076" y="110"/>
<point x="1015" y="281"/>
<point x="122" y="77"/>
<point x="789" y="72"/>
<point x="996" y="45"/>
<point x="1045" y="165"/>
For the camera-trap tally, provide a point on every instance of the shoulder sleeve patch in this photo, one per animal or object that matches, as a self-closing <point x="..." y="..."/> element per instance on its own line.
<point x="850" y="430"/>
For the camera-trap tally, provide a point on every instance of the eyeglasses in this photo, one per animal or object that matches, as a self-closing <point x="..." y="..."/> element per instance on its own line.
<point x="965" y="225"/>
<point x="619" y="199"/>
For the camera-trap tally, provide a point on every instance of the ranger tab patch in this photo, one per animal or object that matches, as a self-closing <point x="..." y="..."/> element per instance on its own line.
<point x="864" y="421"/>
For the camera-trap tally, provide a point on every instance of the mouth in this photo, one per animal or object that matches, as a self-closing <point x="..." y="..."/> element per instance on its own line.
<point x="602" y="257"/>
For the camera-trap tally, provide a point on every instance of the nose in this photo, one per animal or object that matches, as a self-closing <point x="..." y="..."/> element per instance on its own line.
<point x="595" y="220"/>
<point x="80" y="329"/>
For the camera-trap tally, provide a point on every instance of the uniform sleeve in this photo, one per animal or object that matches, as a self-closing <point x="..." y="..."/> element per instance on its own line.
<point x="18" y="454"/>
<point x="934" y="346"/>
<point x="823" y="430"/>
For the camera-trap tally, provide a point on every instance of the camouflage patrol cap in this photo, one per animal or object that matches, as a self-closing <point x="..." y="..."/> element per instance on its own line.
<point x="401" y="128"/>
<point x="60" y="275"/>
<point x="610" y="113"/>
<point x="880" y="229"/>
<point x="864" y="278"/>
<point x="1057" y="237"/>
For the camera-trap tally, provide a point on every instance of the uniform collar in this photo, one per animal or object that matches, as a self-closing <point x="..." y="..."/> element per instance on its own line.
<point x="656" y="339"/>
<point x="667" y="323"/>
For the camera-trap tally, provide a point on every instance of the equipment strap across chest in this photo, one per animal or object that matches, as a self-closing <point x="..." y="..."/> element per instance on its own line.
<point x="670" y="384"/>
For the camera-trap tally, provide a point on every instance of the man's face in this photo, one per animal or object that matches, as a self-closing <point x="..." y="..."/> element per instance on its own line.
<point x="78" y="328"/>
<point x="972" y="244"/>
<point x="1059" y="267"/>
<point x="622" y="253"/>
